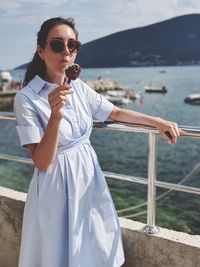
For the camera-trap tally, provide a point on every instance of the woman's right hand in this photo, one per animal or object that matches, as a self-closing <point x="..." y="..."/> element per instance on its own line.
<point x="168" y="130"/>
<point x="57" y="100"/>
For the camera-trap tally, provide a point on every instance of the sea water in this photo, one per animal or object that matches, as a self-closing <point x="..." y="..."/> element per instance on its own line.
<point x="127" y="153"/>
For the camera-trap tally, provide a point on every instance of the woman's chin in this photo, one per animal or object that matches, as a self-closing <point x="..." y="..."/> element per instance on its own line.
<point x="61" y="72"/>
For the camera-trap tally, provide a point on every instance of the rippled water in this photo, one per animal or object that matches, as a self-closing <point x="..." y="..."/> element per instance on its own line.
<point x="127" y="152"/>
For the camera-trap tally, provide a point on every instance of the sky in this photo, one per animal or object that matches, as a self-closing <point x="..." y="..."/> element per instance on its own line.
<point x="20" y="20"/>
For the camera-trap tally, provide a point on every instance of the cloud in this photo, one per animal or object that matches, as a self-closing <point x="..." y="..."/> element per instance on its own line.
<point x="105" y="17"/>
<point x="12" y="9"/>
<point x="140" y="13"/>
<point x="21" y="4"/>
<point x="126" y="13"/>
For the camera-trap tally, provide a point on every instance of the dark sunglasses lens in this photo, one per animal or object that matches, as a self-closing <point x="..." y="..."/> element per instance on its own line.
<point x="57" y="46"/>
<point x="73" y="45"/>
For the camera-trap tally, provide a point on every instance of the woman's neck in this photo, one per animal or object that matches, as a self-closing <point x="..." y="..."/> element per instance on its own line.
<point x="57" y="79"/>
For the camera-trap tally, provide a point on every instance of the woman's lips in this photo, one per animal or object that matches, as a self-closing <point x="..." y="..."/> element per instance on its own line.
<point x="64" y="61"/>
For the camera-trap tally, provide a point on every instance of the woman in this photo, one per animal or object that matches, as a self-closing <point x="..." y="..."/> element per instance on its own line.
<point x="69" y="217"/>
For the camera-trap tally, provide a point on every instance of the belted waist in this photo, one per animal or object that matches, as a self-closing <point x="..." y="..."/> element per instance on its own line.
<point x="82" y="140"/>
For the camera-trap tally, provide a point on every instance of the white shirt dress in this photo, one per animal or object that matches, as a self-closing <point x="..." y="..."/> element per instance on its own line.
<point x="69" y="217"/>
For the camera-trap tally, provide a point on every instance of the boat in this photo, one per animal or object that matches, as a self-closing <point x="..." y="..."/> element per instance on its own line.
<point x="152" y="89"/>
<point x="8" y="89"/>
<point x="7" y="84"/>
<point x="121" y="96"/>
<point x="122" y="93"/>
<point x="193" y="99"/>
<point x="117" y="100"/>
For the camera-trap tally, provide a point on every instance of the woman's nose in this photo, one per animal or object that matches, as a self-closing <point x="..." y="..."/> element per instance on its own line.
<point x="66" y="50"/>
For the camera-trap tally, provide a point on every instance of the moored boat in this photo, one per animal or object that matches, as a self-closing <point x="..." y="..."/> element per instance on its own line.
<point x="152" y="89"/>
<point x="7" y="84"/>
<point x="117" y="100"/>
<point x="8" y="89"/>
<point x="193" y="99"/>
<point x="121" y="96"/>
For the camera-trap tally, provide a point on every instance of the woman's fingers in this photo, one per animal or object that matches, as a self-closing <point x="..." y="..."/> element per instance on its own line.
<point x="172" y="134"/>
<point x="58" y="98"/>
<point x="55" y="94"/>
<point x="59" y="94"/>
<point x="62" y="88"/>
<point x="58" y="109"/>
<point x="59" y="106"/>
<point x="169" y="131"/>
<point x="176" y="129"/>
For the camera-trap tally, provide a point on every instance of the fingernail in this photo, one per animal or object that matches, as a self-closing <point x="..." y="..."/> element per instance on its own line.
<point x="170" y="143"/>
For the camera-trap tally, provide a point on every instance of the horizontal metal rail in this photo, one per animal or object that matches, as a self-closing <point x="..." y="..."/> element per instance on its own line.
<point x="186" y="131"/>
<point x="165" y="185"/>
<point x="7" y="116"/>
<point x="16" y="158"/>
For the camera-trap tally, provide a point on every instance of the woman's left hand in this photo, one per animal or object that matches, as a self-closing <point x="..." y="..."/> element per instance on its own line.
<point x="168" y="130"/>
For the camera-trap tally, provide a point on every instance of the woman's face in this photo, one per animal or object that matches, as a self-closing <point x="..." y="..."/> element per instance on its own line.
<point x="57" y="63"/>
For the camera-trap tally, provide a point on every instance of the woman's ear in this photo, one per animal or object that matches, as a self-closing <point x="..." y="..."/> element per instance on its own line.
<point x="40" y="52"/>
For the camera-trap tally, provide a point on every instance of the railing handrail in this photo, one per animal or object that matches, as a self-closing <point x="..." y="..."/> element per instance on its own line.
<point x="191" y="131"/>
<point x="186" y="131"/>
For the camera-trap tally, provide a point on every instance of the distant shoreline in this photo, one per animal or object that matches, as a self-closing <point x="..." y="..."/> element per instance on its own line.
<point x="21" y="67"/>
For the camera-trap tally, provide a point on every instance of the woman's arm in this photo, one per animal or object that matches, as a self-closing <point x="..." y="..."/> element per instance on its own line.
<point x="162" y="126"/>
<point x="44" y="152"/>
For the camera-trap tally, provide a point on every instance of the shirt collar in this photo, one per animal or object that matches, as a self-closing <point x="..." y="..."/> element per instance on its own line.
<point x="37" y="84"/>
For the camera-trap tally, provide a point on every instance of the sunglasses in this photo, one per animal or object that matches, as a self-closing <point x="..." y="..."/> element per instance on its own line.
<point x="58" y="46"/>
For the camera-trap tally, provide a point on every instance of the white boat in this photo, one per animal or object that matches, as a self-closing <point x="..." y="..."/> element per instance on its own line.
<point x="6" y="82"/>
<point x="117" y="100"/>
<point x="116" y="93"/>
<point x="121" y="96"/>
<point x="123" y="93"/>
<point x="193" y="99"/>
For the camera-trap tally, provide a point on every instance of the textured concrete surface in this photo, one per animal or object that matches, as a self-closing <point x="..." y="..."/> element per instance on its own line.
<point x="166" y="249"/>
<point x="11" y="213"/>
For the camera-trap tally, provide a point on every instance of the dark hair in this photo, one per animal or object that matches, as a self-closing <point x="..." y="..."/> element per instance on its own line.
<point x="37" y="65"/>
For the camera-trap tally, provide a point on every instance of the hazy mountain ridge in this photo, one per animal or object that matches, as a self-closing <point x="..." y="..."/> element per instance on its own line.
<point x="172" y="42"/>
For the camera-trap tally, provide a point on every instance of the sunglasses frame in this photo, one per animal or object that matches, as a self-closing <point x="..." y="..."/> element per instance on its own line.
<point x="63" y="44"/>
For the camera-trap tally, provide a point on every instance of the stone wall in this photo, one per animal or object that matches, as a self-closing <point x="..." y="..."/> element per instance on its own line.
<point x="166" y="249"/>
<point x="11" y="213"/>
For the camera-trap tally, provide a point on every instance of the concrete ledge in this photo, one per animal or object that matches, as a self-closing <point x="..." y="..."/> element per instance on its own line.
<point x="12" y="194"/>
<point x="166" y="249"/>
<point x="11" y="213"/>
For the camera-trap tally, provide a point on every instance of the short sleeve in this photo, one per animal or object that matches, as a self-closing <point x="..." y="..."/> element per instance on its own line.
<point x="28" y="127"/>
<point x="99" y="106"/>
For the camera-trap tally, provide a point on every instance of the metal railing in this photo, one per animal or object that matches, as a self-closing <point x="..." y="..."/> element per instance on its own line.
<point x="151" y="181"/>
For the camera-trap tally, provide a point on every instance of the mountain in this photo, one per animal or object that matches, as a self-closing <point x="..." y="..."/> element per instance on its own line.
<point x="21" y="67"/>
<point x="174" y="41"/>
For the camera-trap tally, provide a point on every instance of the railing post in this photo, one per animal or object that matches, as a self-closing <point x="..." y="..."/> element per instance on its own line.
<point x="151" y="228"/>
